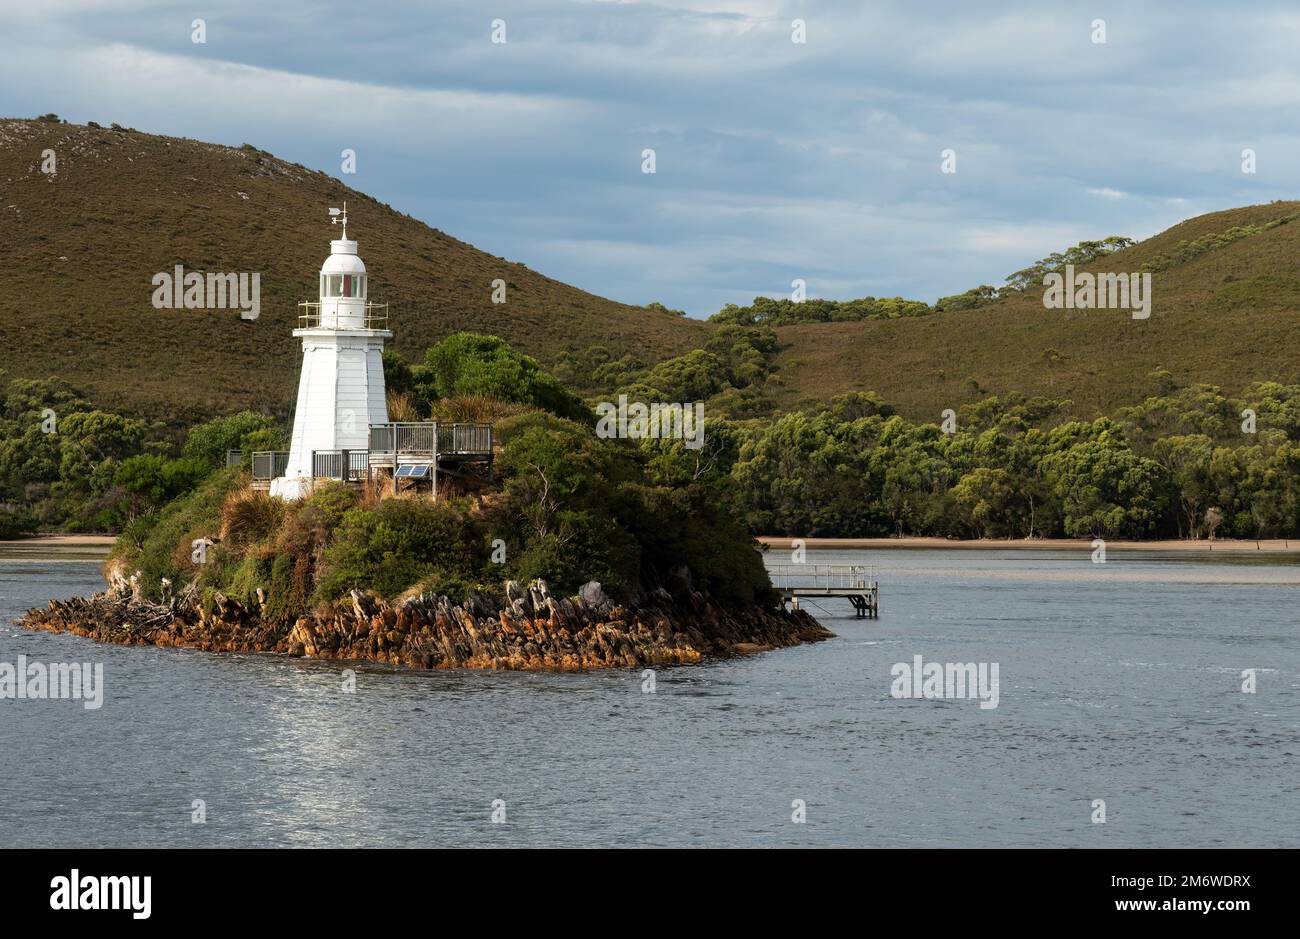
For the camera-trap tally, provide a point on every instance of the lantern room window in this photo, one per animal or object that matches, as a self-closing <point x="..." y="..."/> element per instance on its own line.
<point x="343" y="285"/>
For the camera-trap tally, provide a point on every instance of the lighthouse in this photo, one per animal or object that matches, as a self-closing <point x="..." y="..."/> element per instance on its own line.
<point x="341" y="388"/>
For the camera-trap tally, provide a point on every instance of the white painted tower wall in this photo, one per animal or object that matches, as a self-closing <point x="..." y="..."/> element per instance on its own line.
<point x="341" y="388"/>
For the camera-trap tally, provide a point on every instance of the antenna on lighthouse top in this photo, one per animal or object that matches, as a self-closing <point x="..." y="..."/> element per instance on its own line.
<point x="337" y="215"/>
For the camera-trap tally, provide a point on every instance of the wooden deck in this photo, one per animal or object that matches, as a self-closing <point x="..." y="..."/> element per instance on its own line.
<point x="410" y="452"/>
<point x="418" y="452"/>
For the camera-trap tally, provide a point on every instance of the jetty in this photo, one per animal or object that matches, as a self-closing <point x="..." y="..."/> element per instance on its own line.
<point x="853" y="582"/>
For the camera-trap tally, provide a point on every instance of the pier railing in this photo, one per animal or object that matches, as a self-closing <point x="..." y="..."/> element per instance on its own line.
<point x="849" y="581"/>
<point x="820" y="576"/>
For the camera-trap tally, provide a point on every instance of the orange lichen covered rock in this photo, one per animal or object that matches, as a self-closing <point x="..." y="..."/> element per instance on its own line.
<point x="531" y="631"/>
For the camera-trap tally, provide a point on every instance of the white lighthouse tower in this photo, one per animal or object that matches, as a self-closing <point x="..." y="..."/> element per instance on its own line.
<point x="341" y="390"/>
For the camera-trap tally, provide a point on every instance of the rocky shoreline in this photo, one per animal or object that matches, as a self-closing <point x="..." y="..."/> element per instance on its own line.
<point x="531" y="630"/>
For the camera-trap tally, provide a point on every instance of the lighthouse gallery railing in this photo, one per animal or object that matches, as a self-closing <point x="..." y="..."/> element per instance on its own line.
<point x="309" y="315"/>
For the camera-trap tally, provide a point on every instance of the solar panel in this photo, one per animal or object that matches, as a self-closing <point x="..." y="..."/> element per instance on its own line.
<point x="412" y="471"/>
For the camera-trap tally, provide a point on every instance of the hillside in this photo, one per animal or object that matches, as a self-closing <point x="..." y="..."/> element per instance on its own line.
<point x="80" y="247"/>
<point x="1228" y="316"/>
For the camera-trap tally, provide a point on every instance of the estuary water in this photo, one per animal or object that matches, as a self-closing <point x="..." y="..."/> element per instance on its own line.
<point x="1119" y="682"/>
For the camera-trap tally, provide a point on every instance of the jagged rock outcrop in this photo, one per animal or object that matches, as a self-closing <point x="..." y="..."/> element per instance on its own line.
<point x="531" y="630"/>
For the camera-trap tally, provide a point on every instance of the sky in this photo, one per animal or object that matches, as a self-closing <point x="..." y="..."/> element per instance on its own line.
<point x="774" y="160"/>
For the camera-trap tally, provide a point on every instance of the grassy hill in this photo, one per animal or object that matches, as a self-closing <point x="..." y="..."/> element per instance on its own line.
<point x="80" y="248"/>
<point x="1228" y="316"/>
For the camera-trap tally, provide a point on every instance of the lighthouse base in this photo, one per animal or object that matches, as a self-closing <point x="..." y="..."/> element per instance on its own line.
<point x="290" y="488"/>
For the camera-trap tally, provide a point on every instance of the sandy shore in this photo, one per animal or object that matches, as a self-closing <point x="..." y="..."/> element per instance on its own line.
<point x="57" y="547"/>
<point x="1266" y="546"/>
<point x="1269" y="545"/>
<point x="63" y="541"/>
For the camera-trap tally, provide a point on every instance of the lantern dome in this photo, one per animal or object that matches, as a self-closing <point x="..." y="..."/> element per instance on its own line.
<point x="343" y="261"/>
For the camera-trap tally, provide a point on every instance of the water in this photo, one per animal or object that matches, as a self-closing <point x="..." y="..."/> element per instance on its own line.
<point x="1118" y="682"/>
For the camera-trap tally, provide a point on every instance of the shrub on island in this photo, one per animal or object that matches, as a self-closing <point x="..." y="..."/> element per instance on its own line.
<point x="568" y="508"/>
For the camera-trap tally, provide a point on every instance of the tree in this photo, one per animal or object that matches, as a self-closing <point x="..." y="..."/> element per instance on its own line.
<point x="695" y="376"/>
<point x="88" y="438"/>
<point x="985" y="496"/>
<point x="1213" y="519"/>
<point x="1187" y="460"/>
<point x="808" y="474"/>
<point x="660" y="308"/>
<point x="473" y="364"/>
<point x="397" y="372"/>
<point x="246" y="430"/>
<point x="400" y="543"/>
<point x="156" y="480"/>
<point x="1104" y="487"/>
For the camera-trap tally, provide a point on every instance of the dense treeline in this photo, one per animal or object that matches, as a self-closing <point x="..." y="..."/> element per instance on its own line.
<point x="769" y="311"/>
<point x="1184" y="463"/>
<point x="1188" y="463"/>
<point x="1085" y="252"/>
<point x="67" y="464"/>
<point x="1191" y="249"/>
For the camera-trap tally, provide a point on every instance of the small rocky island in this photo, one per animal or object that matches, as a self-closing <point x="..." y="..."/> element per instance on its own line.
<point x="493" y="528"/>
<point x="530" y="630"/>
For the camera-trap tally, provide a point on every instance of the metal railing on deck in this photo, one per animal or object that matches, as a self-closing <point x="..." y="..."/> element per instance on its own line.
<point x="465" y="438"/>
<point x="820" y="576"/>
<point x="269" y="464"/>
<point x="404" y="437"/>
<point x="234" y="458"/>
<point x="340" y="464"/>
<point x="428" y="437"/>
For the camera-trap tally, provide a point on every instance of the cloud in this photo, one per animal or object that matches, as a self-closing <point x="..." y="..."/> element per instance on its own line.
<point x="774" y="159"/>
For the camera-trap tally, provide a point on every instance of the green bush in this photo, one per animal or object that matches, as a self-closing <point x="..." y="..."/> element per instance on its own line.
<point x="473" y="364"/>
<point x="624" y="514"/>
<point x="167" y="546"/>
<point x="156" y="479"/>
<point x="398" y="544"/>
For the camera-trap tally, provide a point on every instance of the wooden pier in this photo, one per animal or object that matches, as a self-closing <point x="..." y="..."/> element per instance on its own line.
<point x="850" y="581"/>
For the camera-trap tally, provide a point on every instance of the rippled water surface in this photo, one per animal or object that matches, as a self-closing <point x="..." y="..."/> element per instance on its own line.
<point x="1119" y="682"/>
